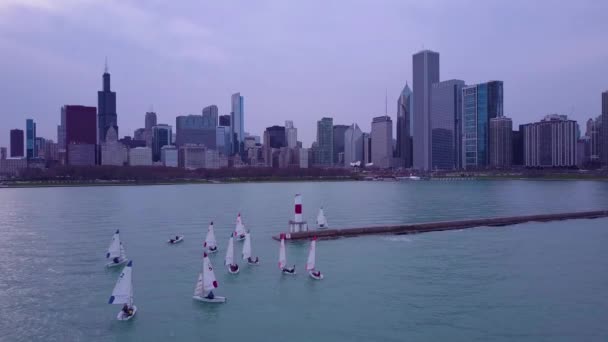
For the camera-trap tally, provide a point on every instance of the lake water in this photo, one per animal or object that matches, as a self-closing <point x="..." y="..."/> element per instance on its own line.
<point x="530" y="282"/>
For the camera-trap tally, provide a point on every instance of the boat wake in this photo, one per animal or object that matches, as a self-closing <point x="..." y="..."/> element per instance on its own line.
<point x="397" y="238"/>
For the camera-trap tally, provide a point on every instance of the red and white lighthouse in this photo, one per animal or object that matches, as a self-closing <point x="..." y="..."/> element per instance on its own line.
<point x="297" y="224"/>
<point x="297" y="208"/>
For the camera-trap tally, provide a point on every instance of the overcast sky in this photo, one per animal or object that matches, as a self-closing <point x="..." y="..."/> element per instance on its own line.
<point x="293" y="60"/>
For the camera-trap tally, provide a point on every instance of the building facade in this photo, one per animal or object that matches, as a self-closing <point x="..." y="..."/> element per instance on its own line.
<point x="405" y="106"/>
<point x="80" y="134"/>
<point x="325" y="142"/>
<point x="237" y="121"/>
<point x="106" y="105"/>
<point x="517" y="143"/>
<point x="445" y="117"/>
<point x="353" y="146"/>
<point x="17" y="139"/>
<point x="112" y="151"/>
<point x="604" y="129"/>
<point x="192" y="157"/>
<point x="161" y="136"/>
<point x="480" y="103"/>
<point x="140" y="156"/>
<point x="210" y="116"/>
<point x="339" y="132"/>
<point x="195" y="129"/>
<point x="150" y="121"/>
<point x="291" y="134"/>
<point x="382" y="141"/>
<point x="367" y="148"/>
<point x="501" y="142"/>
<point x="169" y="156"/>
<point x="550" y="142"/>
<point x="30" y="138"/>
<point x="425" y="65"/>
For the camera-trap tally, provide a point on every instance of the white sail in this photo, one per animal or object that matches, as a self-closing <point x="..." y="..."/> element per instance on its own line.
<point x="123" y="254"/>
<point x="210" y="241"/>
<point x="310" y="263"/>
<point x="123" y="290"/>
<point x="115" y="249"/>
<point x="230" y="252"/>
<point x="282" y="256"/>
<point x="198" y="290"/>
<point x="209" y="281"/>
<point x="321" y="220"/>
<point x="247" y="247"/>
<point x="240" y="227"/>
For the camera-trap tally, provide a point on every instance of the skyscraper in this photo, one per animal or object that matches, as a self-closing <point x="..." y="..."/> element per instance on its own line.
<point x="339" y="131"/>
<point x="382" y="141"/>
<point x="604" y="144"/>
<point x="480" y="103"/>
<point x="106" y="105"/>
<point x="275" y="137"/>
<point x="30" y="138"/>
<point x="446" y="114"/>
<point x="80" y="134"/>
<point x="16" y="143"/>
<point x="195" y="129"/>
<point x="425" y="65"/>
<point x="210" y="116"/>
<point x="237" y="120"/>
<point x="161" y="136"/>
<point x="150" y="122"/>
<point x="353" y="145"/>
<point x="291" y="134"/>
<point x="404" y="119"/>
<point x="501" y="142"/>
<point x="224" y="120"/>
<point x="550" y="142"/>
<point x="325" y="142"/>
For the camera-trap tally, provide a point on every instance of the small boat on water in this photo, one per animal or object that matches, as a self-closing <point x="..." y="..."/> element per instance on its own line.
<point x="247" y="251"/>
<point x="310" y="263"/>
<point x="206" y="283"/>
<point x="283" y="259"/>
<point x="321" y="219"/>
<point x="177" y="239"/>
<point x="239" y="231"/>
<point x="123" y="294"/>
<point x="116" y="255"/>
<point x="210" y="241"/>
<point x="233" y="267"/>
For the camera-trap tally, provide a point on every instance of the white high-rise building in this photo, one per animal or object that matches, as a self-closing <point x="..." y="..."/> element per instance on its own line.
<point x="113" y="152"/>
<point x="382" y="141"/>
<point x="168" y="156"/>
<point x="425" y="67"/>
<point x="353" y="145"/>
<point x="291" y="134"/>
<point x="140" y="156"/>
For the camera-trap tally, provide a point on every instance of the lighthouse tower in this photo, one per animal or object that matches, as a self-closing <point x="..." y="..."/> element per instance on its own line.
<point x="297" y="224"/>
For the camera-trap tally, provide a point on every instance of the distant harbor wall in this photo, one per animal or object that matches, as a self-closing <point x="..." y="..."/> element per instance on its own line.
<point x="442" y="225"/>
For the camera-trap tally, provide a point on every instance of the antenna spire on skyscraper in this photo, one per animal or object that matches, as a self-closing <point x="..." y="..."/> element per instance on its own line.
<point x="105" y="70"/>
<point x="385" y="101"/>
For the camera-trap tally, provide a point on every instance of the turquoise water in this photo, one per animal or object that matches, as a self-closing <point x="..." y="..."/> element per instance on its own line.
<point x="531" y="282"/>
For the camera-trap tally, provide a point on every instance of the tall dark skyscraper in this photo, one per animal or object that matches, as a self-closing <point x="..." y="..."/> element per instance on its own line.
<point x="237" y="120"/>
<point x="325" y="142"/>
<point x="106" y="105"/>
<point x="210" y="116"/>
<point x="425" y="66"/>
<point x="30" y="138"/>
<point x="404" y="119"/>
<point x="16" y="143"/>
<point x="604" y="140"/>
<point x="339" y="133"/>
<point x="80" y="135"/>
<point x="446" y="114"/>
<point x="225" y="120"/>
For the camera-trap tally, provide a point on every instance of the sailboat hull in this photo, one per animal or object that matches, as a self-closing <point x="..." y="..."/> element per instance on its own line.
<point x="181" y="238"/>
<point x="209" y="250"/>
<point x="121" y="315"/>
<point x="240" y="237"/>
<point x="216" y="299"/>
<point x="113" y="264"/>
<point x="233" y="272"/>
<point x="313" y="276"/>
<point x="288" y="273"/>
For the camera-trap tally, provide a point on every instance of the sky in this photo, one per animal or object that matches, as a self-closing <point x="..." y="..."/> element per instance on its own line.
<point x="293" y="60"/>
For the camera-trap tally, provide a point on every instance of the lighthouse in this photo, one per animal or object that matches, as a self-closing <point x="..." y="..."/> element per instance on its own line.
<point x="297" y="224"/>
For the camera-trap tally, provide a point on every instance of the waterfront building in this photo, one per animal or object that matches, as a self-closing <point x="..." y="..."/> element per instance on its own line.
<point x="583" y="151"/>
<point x="112" y="151"/>
<point x="3" y="153"/>
<point x="338" y="143"/>
<point x="140" y="156"/>
<point x="367" y="148"/>
<point x="210" y="117"/>
<point x="382" y="141"/>
<point x="132" y="143"/>
<point x="223" y="140"/>
<point x="275" y="137"/>
<point x="405" y="107"/>
<point x="501" y="144"/>
<point x="224" y="120"/>
<point x="106" y="105"/>
<point x="139" y="134"/>
<point x="303" y="156"/>
<point x="168" y="156"/>
<point x="194" y="129"/>
<point x="550" y="142"/>
<point x="517" y="141"/>
<point x="604" y="129"/>
<point x="594" y="132"/>
<point x="39" y="147"/>
<point x="30" y="138"/>
<point x="150" y="121"/>
<point x="291" y="134"/>
<point x="80" y="134"/>
<point x="353" y="145"/>
<point x="445" y="118"/>
<point x="425" y="65"/>
<point x="16" y="143"/>
<point x="480" y="103"/>
<point x="212" y="159"/>
<point x="237" y="121"/>
<point x="325" y="142"/>
<point x="161" y="136"/>
<point x="51" y="150"/>
<point x="192" y="157"/>
<point x="12" y="166"/>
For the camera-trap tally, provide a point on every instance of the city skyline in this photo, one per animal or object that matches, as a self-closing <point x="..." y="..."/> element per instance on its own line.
<point x="531" y="79"/>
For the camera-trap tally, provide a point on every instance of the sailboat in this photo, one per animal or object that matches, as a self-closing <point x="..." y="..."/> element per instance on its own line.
<point x="321" y="220"/>
<point x="116" y="255"/>
<point x="206" y="283"/>
<point x="176" y="239"/>
<point x="210" y="242"/>
<point x="283" y="259"/>
<point x="233" y="268"/>
<point x="123" y="294"/>
<point x="239" y="231"/>
<point x="247" y="251"/>
<point x="310" y="263"/>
